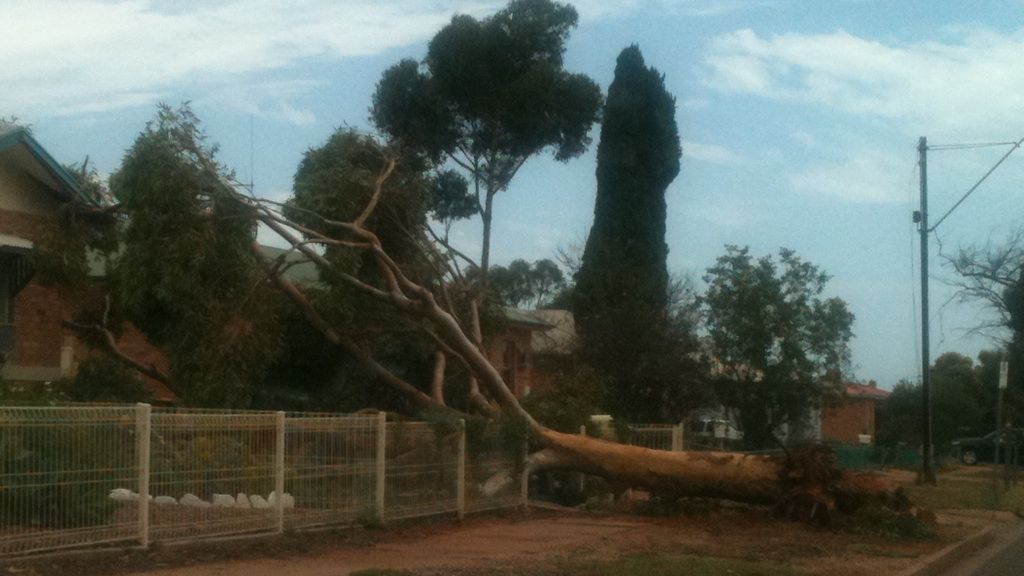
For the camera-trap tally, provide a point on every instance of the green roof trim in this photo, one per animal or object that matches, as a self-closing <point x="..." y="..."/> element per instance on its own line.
<point x="15" y="135"/>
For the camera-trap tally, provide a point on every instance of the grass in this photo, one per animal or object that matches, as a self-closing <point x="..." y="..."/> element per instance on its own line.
<point x="953" y="494"/>
<point x="662" y="565"/>
<point x="633" y="565"/>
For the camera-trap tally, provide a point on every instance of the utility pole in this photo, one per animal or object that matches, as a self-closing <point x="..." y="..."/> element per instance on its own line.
<point x="927" y="467"/>
<point x="927" y="475"/>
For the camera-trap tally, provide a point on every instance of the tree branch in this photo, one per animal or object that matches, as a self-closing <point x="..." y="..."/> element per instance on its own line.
<point x="109" y="343"/>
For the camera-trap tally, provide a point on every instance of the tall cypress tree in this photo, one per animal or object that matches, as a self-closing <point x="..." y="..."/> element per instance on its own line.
<point x="621" y="295"/>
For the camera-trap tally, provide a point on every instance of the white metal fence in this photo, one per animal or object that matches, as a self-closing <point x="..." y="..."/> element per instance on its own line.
<point x="72" y="476"/>
<point x="656" y="436"/>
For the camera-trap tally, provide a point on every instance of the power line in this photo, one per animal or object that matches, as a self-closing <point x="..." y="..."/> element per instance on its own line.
<point x="941" y="147"/>
<point x="1015" y="146"/>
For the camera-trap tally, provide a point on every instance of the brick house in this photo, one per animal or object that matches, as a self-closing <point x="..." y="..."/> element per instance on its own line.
<point x="33" y="342"/>
<point x="853" y="421"/>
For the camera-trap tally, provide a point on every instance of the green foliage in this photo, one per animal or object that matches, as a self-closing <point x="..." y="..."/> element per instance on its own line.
<point x="81" y="235"/>
<point x="621" y="297"/>
<point x="899" y="416"/>
<point x="16" y="393"/>
<point x="34" y="491"/>
<point x="186" y="275"/>
<point x="513" y="436"/>
<point x="568" y="403"/>
<point x="886" y="522"/>
<point x="527" y="285"/>
<point x="963" y="402"/>
<point x="103" y="379"/>
<point x="495" y="86"/>
<point x="776" y="337"/>
<point x="490" y="94"/>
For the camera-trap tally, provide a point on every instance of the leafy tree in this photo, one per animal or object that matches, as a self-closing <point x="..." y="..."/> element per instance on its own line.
<point x="621" y="295"/>
<point x="490" y="94"/>
<point x="899" y="416"/>
<point x="527" y="285"/>
<point x="956" y="410"/>
<point x="184" y="199"/>
<point x="187" y="275"/>
<point x="960" y="403"/>
<point x="774" y="336"/>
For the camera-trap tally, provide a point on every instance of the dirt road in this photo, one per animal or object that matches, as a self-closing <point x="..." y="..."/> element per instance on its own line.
<point x="455" y="547"/>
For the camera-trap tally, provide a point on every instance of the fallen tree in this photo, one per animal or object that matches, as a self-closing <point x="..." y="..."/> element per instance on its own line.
<point x="361" y="217"/>
<point x="805" y="484"/>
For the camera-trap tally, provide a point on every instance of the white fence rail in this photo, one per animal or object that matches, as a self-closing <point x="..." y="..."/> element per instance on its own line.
<point x="657" y="436"/>
<point x="71" y="476"/>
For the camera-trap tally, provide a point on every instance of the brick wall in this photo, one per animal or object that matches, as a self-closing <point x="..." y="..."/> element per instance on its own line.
<point x="39" y="336"/>
<point x="845" y="423"/>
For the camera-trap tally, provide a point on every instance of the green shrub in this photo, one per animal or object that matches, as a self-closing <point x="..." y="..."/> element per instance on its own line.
<point x="883" y="521"/>
<point x="102" y="379"/>
<point x="43" y="478"/>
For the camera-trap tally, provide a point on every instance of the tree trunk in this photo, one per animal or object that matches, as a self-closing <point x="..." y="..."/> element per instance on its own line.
<point x="804" y="485"/>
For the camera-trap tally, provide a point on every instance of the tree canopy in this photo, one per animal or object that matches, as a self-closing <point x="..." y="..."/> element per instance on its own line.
<point x="774" y="336"/>
<point x="490" y="94"/>
<point x="621" y="296"/>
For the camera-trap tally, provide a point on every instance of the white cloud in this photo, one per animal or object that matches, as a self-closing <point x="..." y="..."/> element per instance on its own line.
<point x="866" y="177"/>
<point x="969" y="83"/>
<point x="67" y="57"/>
<point x="712" y="153"/>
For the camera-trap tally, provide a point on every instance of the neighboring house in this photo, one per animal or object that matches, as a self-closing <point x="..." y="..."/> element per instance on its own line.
<point x="853" y="421"/>
<point x="511" y="351"/>
<point x="34" y="344"/>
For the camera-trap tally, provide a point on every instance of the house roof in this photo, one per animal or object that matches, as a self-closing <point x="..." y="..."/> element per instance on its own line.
<point x="526" y="319"/>
<point x="560" y="338"/>
<point x="17" y="144"/>
<point x="868" y="392"/>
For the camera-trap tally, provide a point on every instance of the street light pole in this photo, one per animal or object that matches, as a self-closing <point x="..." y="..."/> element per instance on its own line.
<point x="927" y="453"/>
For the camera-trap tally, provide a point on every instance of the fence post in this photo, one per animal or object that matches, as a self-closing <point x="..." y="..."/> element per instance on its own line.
<point x="142" y="434"/>
<point x="581" y="478"/>
<point x="382" y="430"/>
<point x="460" y="472"/>
<point x="677" y="437"/>
<point x="279" y="472"/>
<point x="524" y="481"/>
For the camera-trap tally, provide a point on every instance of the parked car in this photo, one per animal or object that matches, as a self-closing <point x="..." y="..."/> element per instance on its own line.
<point x="982" y="449"/>
<point x="715" y="428"/>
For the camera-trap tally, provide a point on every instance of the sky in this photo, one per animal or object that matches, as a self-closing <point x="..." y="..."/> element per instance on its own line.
<point x="800" y="122"/>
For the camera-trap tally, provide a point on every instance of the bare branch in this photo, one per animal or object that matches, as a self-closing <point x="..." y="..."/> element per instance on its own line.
<point x="109" y="343"/>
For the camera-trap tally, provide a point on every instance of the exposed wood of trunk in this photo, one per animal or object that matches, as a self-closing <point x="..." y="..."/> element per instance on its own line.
<point x="804" y="485"/>
<point x="437" y="380"/>
<point x="734" y="476"/>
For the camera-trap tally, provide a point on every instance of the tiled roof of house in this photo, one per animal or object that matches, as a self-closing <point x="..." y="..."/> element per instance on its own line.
<point x="865" y="391"/>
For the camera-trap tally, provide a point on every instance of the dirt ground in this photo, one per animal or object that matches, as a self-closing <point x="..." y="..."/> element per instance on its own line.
<point x="521" y="540"/>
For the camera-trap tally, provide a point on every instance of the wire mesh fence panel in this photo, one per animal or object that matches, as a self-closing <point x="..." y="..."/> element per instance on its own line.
<point x="68" y="477"/>
<point x="493" y="469"/>
<point x="420" y="470"/>
<point x="212" y="474"/>
<point x="653" y="436"/>
<point x="329" y="469"/>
